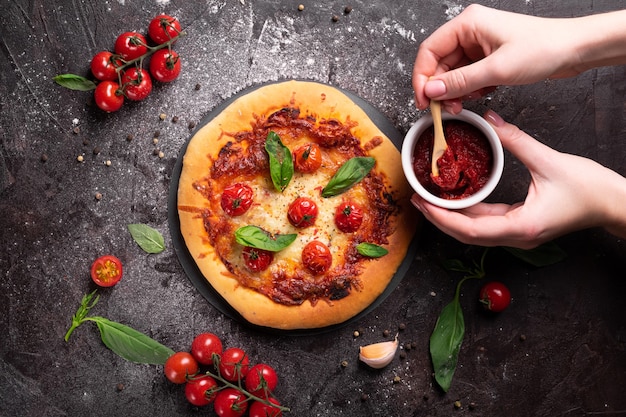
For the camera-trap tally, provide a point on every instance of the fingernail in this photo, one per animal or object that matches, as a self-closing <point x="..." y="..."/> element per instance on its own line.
<point x="494" y="118"/>
<point x="435" y="88"/>
<point x="417" y="202"/>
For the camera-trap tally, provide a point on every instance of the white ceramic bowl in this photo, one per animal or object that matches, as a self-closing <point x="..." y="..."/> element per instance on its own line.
<point x="472" y="118"/>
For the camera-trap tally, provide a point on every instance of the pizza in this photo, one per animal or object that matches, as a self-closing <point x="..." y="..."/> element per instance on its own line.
<point x="294" y="206"/>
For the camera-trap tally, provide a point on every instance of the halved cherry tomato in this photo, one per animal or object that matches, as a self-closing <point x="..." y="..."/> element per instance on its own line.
<point x="201" y="390"/>
<point x="260" y="409"/>
<point x="261" y="380"/>
<point x="307" y="158"/>
<point x="234" y="364"/>
<point x="495" y="296"/>
<point x="316" y="257"/>
<point x="302" y="212"/>
<point x="136" y="83"/>
<point x="163" y="28"/>
<point x="179" y="367"/>
<point x="104" y="66"/>
<point x="106" y="271"/>
<point x="257" y="260"/>
<point x="237" y="199"/>
<point x="348" y="217"/>
<point x="131" y="45"/>
<point x="165" y="65"/>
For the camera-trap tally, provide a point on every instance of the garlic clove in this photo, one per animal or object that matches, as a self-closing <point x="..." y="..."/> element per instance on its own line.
<point x="379" y="355"/>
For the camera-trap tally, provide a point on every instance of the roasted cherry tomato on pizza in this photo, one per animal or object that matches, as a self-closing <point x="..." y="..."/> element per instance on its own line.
<point x="261" y="380"/>
<point x="179" y="367"/>
<point x="316" y="257"/>
<point x="495" y="296"/>
<point x="204" y="346"/>
<point x="131" y="45"/>
<point x="257" y="260"/>
<point x="106" y="271"/>
<point x="237" y="199"/>
<point x="201" y="390"/>
<point x="259" y="409"/>
<point x="234" y="364"/>
<point x="165" y="65"/>
<point x="302" y="212"/>
<point x="307" y="158"/>
<point x="348" y="217"/>
<point x="163" y="28"/>
<point x="136" y="83"/>
<point x="230" y="402"/>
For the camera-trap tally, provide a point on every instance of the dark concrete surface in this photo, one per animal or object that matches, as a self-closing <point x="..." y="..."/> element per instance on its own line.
<point x="559" y="350"/>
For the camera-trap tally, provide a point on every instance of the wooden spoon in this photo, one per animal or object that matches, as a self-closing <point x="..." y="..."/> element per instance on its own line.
<point x="440" y="144"/>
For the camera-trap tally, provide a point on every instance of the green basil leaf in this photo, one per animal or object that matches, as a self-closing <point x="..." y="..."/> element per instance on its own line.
<point x="445" y="343"/>
<point x="74" y="82"/>
<point x="148" y="239"/>
<point x="543" y="255"/>
<point x="131" y="344"/>
<point x="371" y="250"/>
<point x="349" y="174"/>
<point x="281" y="161"/>
<point x="258" y="238"/>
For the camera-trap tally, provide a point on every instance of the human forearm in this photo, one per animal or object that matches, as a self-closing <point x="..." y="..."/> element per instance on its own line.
<point x="600" y="40"/>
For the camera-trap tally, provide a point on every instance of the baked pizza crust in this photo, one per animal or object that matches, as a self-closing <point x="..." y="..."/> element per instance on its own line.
<point x="322" y="102"/>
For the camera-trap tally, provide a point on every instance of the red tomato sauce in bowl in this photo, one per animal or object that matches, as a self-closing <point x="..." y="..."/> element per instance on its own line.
<point x="464" y="168"/>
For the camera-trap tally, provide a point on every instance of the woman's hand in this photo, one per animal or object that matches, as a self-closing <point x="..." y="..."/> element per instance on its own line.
<point x="566" y="193"/>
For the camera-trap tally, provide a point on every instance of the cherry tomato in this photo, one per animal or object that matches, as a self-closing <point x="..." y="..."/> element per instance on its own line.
<point x="316" y="257"/>
<point x="108" y="96"/>
<point x="163" y="28"/>
<point x="259" y="409"/>
<point x="179" y="366"/>
<point x="131" y="45"/>
<point x="104" y="66"/>
<point x="201" y="391"/>
<point x="257" y="260"/>
<point x="307" y="158"/>
<point x="165" y="65"/>
<point x="302" y="212"/>
<point x="236" y="199"/>
<point x="234" y="364"/>
<point x="348" y="217"/>
<point x="136" y="83"/>
<point x="495" y="296"/>
<point x="106" y="271"/>
<point x="261" y="380"/>
<point x="230" y="402"/>
<point x="204" y="346"/>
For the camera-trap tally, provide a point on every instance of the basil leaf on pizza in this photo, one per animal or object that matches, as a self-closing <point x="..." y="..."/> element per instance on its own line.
<point x="281" y="161"/>
<point x="256" y="237"/>
<point x="349" y="174"/>
<point x="371" y="250"/>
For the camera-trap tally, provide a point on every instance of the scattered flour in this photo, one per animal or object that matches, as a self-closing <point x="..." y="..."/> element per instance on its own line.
<point x="453" y="10"/>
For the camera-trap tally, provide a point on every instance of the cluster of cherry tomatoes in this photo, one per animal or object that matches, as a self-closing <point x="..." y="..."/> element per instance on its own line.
<point x="225" y="379"/>
<point x="122" y="74"/>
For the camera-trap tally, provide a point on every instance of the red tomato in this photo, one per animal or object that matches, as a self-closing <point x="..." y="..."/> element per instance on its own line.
<point x="257" y="260"/>
<point x="106" y="271"/>
<point x="316" y="257"/>
<point x="259" y="409"/>
<point x="163" y="28"/>
<point x="307" y="158"/>
<point x="236" y="199"/>
<point x="302" y="212"/>
<point x="201" y="391"/>
<point x="104" y="65"/>
<point x="204" y="346"/>
<point x="261" y="380"/>
<point x="131" y="45"/>
<point x="495" y="296"/>
<point x="234" y="364"/>
<point x="179" y="366"/>
<point x="348" y="217"/>
<point x="165" y="65"/>
<point x="230" y="402"/>
<point x="136" y="83"/>
<point x="108" y="96"/>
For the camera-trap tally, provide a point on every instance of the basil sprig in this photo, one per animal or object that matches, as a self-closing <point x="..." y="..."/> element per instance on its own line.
<point x="281" y="161"/>
<point x="125" y="341"/>
<point x="148" y="239"/>
<point x="74" y="82"/>
<point x="258" y="238"/>
<point x="371" y="250"/>
<point x="349" y="174"/>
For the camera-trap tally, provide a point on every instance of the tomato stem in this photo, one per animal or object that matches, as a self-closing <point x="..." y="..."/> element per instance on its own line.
<point x="86" y="304"/>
